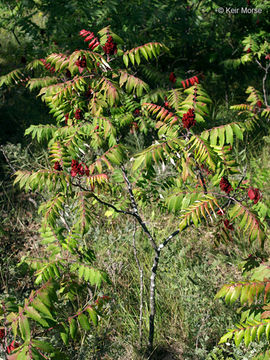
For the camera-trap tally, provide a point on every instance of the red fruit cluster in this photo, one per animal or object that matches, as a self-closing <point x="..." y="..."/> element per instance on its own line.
<point x="78" y="114"/>
<point x="81" y="63"/>
<point x="77" y="168"/>
<point x="167" y="105"/>
<point x="90" y="36"/>
<point x="136" y="112"/>
<point x="249" y="50"/>
<point x="259" y="104"/>
<point x="190" y="82"/>
<point x="110" y="47"/>
<point x="188" y="119"/>
<point x="254" y="194"/>
<point x="2" y="333"/>
<point x="66" y="118"/>
<point x="172" y="77"/>
<point x="49" y="67"/>
<point x="57" y="166"/>
<point x="267" y="57"/>
<point x="225" y="185"/>
<point x="12" y="346"/>
<point x="227" y="224"/>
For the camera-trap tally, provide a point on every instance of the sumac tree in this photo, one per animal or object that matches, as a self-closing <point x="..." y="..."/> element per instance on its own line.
<point x="184" y="166"/>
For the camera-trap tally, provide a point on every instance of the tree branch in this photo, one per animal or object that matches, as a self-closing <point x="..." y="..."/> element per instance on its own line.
<point x="104" y="202"/>
<point x="265" y="69"/>
<point x="135" y="210"/>
<point x="16" y="37"/>
<point x="201" y="178"/>
<point x="264" y="84"/>
<point x="7" y="159"/>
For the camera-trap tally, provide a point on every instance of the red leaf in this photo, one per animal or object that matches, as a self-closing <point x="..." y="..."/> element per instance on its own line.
<point x="254" y="194"/>
<point x="89" y="37"/>
<point x="12" y="346"/>
<point x="266" y="290"/>
<point x="227" y="224"/>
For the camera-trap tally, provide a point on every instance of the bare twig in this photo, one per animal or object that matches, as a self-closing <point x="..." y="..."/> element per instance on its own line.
<point x="7" y="159"/>
<point x="202" y="179"/>
<point x="265" y="69"/>
<point x="264" y="84"/>
<point x="16" y="37"/>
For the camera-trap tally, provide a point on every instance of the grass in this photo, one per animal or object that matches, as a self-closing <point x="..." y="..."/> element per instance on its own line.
<point x="190" y="273"/>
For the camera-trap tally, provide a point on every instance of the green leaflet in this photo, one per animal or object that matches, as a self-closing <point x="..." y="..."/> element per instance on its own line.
<point x="11" y="77"/>
<point x="93" y="315"/>
<point x="223" y="134"/>
<point x="83" y="320"/>
<point x="23" y="354"/>
<point x="226" y="337"/>
<point x="202" y="205"/>
<point x="245" y="291"/>
<point x="64" y="333"/>
<point x="249" y="222"/>
<point x="148" y="51"/>
<point x="33" y="314"/>
<point x="24" y="326"/>
<point x="73" y="328"/>
<point x="40" y="306"/>
<point x="43" y="346"/>
<point x="238" y="336"/>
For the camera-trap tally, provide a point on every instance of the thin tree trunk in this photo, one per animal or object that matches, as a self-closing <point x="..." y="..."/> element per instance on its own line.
<point x="152" y="301"/>
<point x="141" y="284"/>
